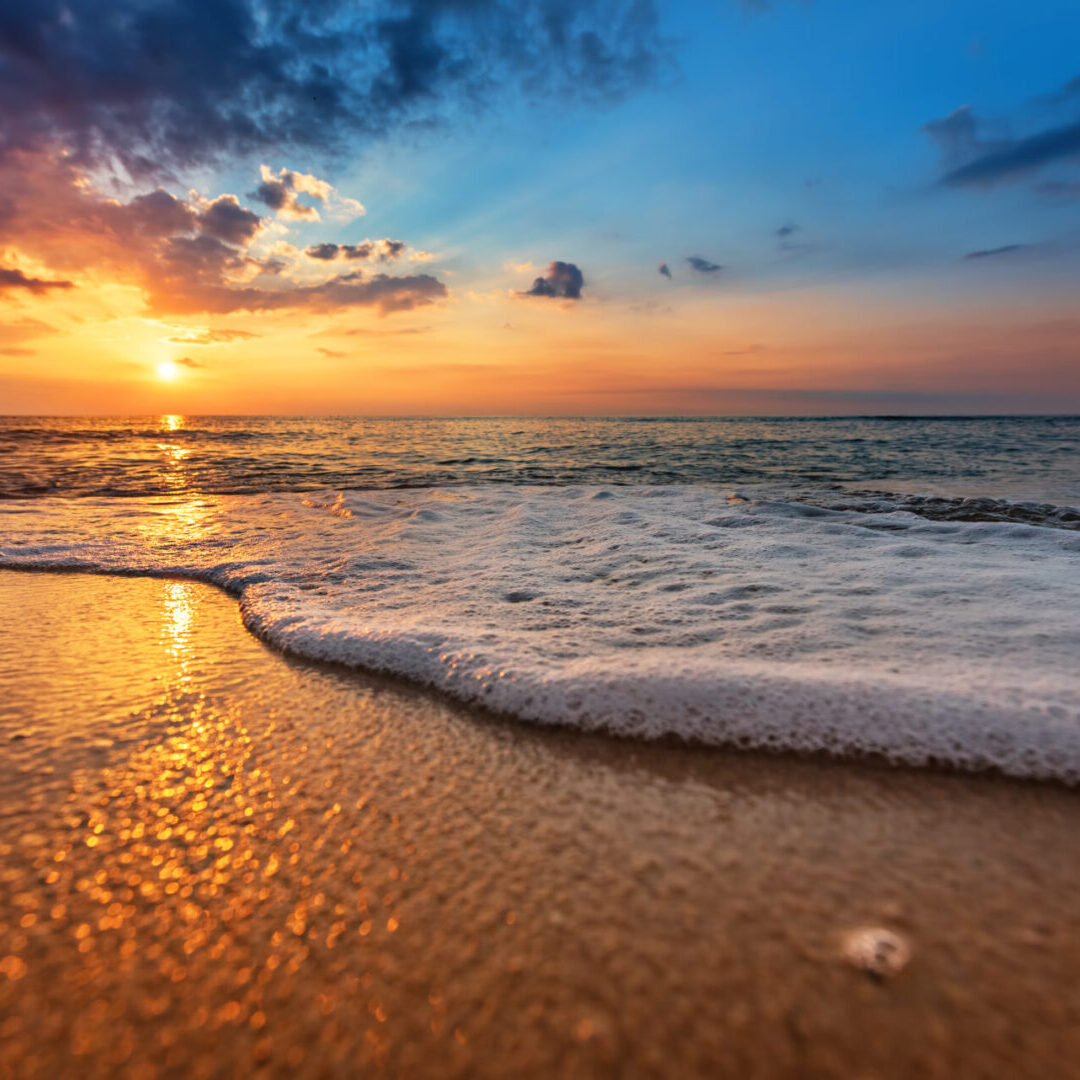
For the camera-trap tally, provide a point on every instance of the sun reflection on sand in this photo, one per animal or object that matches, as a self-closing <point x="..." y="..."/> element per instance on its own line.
<point x="178" y="614"/>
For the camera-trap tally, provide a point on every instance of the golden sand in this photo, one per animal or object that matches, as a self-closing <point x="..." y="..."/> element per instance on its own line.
<point x="218" y="862"/>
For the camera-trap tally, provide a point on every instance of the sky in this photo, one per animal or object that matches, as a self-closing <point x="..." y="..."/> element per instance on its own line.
<point x="576" y="207"/>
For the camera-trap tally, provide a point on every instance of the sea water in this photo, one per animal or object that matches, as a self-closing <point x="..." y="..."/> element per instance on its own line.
<point x="902" y="587"/>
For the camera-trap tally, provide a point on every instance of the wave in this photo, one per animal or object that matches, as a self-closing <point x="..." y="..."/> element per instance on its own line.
<point x="970" y="508"/>
<point x="663" y="611"/>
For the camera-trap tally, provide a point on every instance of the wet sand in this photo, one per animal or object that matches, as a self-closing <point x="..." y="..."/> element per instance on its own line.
<point x="216" y="861"/>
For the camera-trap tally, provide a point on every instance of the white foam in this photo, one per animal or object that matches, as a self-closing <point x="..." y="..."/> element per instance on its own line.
<point x="643" y="611"/>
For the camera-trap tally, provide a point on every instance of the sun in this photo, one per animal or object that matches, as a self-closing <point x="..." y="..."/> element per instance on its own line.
<point x="167" y="370"/>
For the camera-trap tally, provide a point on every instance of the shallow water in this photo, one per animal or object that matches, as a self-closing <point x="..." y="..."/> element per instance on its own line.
<point x="220" y="863"/>
<point x="642" y="611"/>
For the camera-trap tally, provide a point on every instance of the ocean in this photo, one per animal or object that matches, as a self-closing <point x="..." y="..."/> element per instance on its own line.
<point x="900" y="587"/>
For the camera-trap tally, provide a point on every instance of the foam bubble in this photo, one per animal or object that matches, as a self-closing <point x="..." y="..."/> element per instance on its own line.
<point x="648" y="612"/>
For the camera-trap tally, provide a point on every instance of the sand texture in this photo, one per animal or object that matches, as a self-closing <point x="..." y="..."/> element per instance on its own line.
<point x="216" y="861"/>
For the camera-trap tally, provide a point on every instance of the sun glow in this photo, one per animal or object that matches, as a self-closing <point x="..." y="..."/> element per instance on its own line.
<point x="167" y="370"/>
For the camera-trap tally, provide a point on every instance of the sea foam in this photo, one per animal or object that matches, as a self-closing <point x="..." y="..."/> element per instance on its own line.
<point x="681" y="611"/>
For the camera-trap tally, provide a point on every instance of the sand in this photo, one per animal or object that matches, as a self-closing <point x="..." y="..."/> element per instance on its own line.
<point x="216" y="861"/>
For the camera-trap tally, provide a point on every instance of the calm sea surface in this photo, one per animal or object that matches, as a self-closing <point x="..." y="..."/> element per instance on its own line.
<point x="1020" y="458"/>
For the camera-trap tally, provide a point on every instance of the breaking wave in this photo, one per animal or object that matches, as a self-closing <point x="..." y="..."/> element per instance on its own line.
<point x="732" y="620"/>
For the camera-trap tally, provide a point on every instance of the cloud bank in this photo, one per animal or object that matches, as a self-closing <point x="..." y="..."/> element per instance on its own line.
<point x="168" y="84"/>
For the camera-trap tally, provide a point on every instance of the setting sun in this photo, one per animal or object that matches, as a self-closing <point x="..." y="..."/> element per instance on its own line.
<point x="167" y="370"/>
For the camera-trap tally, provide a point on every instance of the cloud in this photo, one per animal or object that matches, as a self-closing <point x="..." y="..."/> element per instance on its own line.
<point x="383" y="293"/>
<point x="1018" y="158"/>
<point x="11" y="278"/>
<point x="955" y="135"/>
<point x="366" y="331"/>
<point x="186" y="361"/>
<point x="787" y="230"/>
<point x="369" y="250"/>
<point x="988" y="253"/>
<point x="563" y="280"/>
<point x="14" y="333"/>
<point x="972" y="159"/>
<point x="211" y="263"/>
<point x="175" y="83"/>
<point x="664" y="270"/>
<point x="1069" y="92"/>
<point x="702" y="265"/>
<point x="227" y="220"/>
<point x="281" y="193"/>
<point x="210" y="337"/>
<point x="158" y="213"/>
<point x="333" y="354"/>
<point x="1059" y="189"/>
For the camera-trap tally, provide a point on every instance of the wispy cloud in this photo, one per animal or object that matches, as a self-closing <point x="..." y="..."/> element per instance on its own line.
<point x="219" y="336"/>
<point x="703" y="265"/>
<point x="11" y="278"/>
<point x="989" y="253"/>
<point x="975" y="158"/>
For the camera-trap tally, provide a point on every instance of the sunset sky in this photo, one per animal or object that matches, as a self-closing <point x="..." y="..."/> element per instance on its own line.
<point x="600" y="206"/>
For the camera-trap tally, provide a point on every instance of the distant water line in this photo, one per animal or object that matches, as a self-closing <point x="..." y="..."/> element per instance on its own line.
<point x="1020" y="458"/>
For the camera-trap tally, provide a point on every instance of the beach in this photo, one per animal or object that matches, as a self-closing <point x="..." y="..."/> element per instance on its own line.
<point x="220" y="861"/>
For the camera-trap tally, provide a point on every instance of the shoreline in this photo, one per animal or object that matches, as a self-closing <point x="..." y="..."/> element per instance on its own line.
<point x="279" y="869"/>
<point x="482" y="713"/>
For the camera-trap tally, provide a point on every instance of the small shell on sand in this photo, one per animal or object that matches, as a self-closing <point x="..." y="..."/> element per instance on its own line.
<point x="879" y="952"/>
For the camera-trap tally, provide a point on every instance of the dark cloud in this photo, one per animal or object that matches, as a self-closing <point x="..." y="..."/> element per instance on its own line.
<point x="702" y="265"/>
<point x="281" y="193"/>
<point x="1018" y="158"/>
<point x="275" y="194"/>
<point x="173" y="83"/>
<point x="972" y="159"/>
<point x="202" y="254"/>
<point x="787" y="230"/>
<point x="15" y="279"/>
<point x="227" y="220"/>
<point x="382" y="292"/>
<point x="563" y="280"/>
<point x="369" y="250"/>
<point x="988" y="253"/>
<point x="325" y="252"/>
<point x="664" y="270"/>
<point x="160" y="214"/>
